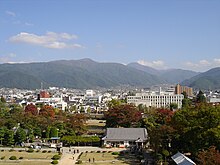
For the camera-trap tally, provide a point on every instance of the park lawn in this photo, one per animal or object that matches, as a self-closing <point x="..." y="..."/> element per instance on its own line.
<point x="26" y="155"/>
<point x="108" y="159"/>
<point x="98" y="123"/>
<point x="23" y="162"/>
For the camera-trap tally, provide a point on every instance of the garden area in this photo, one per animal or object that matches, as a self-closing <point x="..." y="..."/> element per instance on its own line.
<point x="33" y="157"/>
<point x="108" y="158"/>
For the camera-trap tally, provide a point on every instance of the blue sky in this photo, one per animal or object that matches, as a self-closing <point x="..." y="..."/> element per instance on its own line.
<point x="158" y="33"/>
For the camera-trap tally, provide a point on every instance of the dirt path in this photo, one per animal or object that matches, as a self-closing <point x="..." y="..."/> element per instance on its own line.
<point x="68" y="154"/>
<point x="67" y="159"/>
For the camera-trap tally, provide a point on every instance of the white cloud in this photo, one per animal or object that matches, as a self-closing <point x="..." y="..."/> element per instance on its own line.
<point x="10" y="13"/>
<point x="49" y="40"/>
<point x="217" y="61"/>
<point x="202" y="65"/>
<point x="155" y="64"/>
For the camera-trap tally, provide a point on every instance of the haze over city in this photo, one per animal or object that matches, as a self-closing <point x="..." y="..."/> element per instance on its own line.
<point x="161" y="34"/>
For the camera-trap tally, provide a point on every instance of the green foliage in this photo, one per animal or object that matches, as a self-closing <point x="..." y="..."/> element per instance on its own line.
<point x="197" y="128"/>
<point x="200" y="98"/>
<point x="2" y="133"/>
<point x="30" y="150"/>
<point x="173" y="106"/>
<point x="79" y="74"/>
<point x="54" y="162"/>
<point x="21" y="157"/>
<point x="11" y="150"/>
<point x="3" y="99"/>
<point x="3" y="157"/>
<point x="37" y="132"/>
<point x="165" y="153"/>
<point x="79" y="161"/>
<point x="53" y="132"/>
<point x="207" y="80"/>
<point x="56" y="157"/>
<point x="115" y="153"/>
<point x="13" y="158"/>
<point x="9" y="138"/>
<point x="20" y="135"/>
<point x="70" y="140"/>
<point x="41" y="125"/>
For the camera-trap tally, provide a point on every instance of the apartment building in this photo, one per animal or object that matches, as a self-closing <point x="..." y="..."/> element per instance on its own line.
<point x="158" y="100"/>
<point x="180" y="89"/>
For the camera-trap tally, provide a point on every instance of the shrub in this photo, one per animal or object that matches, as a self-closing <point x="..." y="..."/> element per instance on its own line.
<point x="104" y="151"/>
<point x="20" y="150"/>
<point x="92" y="151"/>
<point x="30" y="150"/>
<point x="115" y="153"/>
<point x="44" y="151"/>
<point x="49" y="151"/>
<point x="54" y="162"/>
<point x="11" y="150"/>
<point x="13" y="158"/>
<point x="86" y="151"/>
<point x="98" y="151"/>
<point x="3" y="157"/>
<point x="109" y="151"/>
<point x="79" y="161"/>
<point x="2" y="150"/>
<point x="38" y="151"/>
<point x="56" y="157"/>
<point x="21" y="157"/>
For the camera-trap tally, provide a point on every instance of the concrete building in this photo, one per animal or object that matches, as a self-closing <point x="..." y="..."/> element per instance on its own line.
<point x="180" y="89"/>
<point x="158" y="100"/>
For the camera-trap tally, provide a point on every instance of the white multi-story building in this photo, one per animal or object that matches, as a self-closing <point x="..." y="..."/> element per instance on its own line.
<point x="158" y="100"/>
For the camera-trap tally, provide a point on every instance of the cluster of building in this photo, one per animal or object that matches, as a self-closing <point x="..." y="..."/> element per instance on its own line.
<point x="64" y="99"/>
<point x="161" y="98"/>
<point x="97" y="100"/>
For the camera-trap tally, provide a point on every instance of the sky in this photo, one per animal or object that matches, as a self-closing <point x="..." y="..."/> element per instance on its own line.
<point x="162" y="34"/>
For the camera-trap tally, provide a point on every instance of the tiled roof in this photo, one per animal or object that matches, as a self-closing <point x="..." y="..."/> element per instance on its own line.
<point x="130" y="134"/>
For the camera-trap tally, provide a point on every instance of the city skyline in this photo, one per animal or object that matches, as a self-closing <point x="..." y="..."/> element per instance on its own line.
<point x="159" y="34"/>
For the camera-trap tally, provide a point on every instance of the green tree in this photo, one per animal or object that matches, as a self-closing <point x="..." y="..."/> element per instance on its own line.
<point x="200" y="98"/>
<point x="3" y="99"/>
<point x="20" y="135"/>
<point x="53" y="132"/>
<point x="114" y="102"/>
<point x="196" y="128"/>
<point x="173" y="106"/>
<point x="2" y="133"/>
<point x="8" y="138"/>
<point x="37" y="131"/>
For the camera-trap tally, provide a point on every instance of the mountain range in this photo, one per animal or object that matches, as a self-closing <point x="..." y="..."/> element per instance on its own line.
<point x="86" y="73"/>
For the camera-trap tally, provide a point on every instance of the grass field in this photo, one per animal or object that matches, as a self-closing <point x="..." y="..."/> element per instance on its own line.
<point x="35" y="158"/>
<point x="24" y="163"/>
<point x="108" y="159"/>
